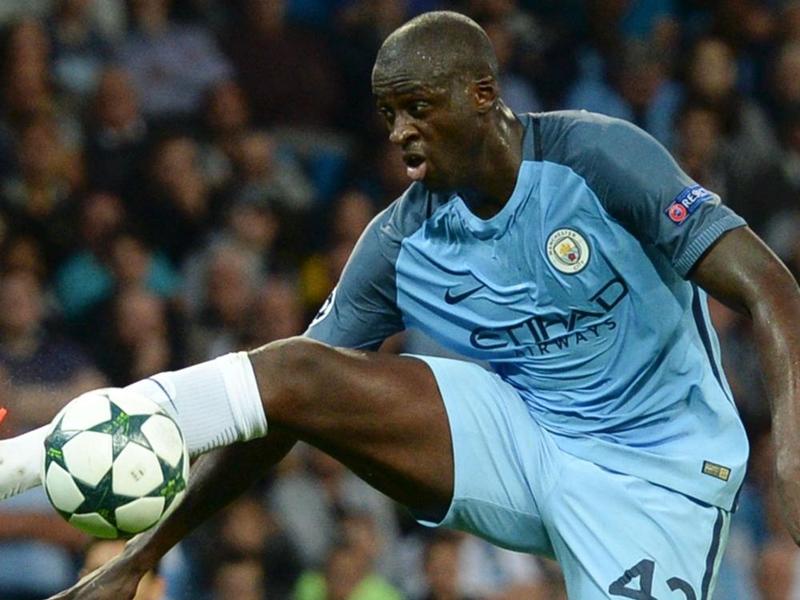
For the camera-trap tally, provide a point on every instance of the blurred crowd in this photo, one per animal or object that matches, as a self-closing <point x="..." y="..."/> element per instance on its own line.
<point x="184" y="178"/>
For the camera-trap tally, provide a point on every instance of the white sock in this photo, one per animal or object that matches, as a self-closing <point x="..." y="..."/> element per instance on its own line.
<point x="215" y="403"/>
<point x="21" y="462"/>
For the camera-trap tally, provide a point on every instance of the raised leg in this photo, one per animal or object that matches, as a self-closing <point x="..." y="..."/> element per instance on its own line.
<point x="379" y="414"/>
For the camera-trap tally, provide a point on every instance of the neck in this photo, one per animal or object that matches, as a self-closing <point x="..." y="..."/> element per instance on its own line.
<point x="498" y="165"/>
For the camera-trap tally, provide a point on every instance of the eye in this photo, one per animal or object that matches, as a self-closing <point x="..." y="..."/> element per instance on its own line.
<point x="387" y="114"/>
<point x="418" y="108"/>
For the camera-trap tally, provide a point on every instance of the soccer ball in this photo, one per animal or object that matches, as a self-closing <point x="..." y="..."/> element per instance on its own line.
<point x="114" y="463"/>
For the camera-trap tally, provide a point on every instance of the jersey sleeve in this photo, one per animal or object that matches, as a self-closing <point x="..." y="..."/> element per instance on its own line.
<point x="642" y="186"/>
<point x="361" y="311"/>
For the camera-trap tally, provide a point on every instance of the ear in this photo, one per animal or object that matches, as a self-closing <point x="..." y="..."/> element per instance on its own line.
<point x="485" y="92"/>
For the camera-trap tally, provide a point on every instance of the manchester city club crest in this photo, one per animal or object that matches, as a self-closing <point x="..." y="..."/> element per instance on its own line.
<point x="567" y="250"/>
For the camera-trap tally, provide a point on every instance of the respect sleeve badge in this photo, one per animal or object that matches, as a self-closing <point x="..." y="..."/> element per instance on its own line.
<point x="687" y="202"/>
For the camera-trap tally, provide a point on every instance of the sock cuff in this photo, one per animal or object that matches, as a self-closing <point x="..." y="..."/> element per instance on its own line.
<point x="215" y="403"/>
<point x="243" y="395"/>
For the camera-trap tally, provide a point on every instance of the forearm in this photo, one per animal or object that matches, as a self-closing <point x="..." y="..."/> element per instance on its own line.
<point x="217" y="478"/>
<point x="780" y="362"/>
<point x="777" y="336"/>
<point x="741" y="271"/>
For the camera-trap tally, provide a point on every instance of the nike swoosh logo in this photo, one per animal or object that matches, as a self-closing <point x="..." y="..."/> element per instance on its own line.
<point x="456" y="298"/>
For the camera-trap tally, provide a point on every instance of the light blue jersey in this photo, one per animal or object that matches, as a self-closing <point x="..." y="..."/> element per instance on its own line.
<point x="575" y="293"/>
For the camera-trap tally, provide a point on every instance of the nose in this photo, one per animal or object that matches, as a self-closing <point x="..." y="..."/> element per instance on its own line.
<point x="402" y="132"/>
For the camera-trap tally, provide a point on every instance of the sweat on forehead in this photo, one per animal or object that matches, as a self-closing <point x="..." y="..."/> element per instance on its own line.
<point x="437" y="45"/>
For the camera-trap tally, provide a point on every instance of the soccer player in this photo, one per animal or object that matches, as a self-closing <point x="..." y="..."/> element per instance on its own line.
<point x="570" y="253"/>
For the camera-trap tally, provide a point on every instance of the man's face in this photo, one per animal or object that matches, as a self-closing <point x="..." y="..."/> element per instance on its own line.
<point x="433" y="122"/>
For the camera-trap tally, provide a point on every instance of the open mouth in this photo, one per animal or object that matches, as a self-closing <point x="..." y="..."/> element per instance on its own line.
<point x="416" y="166"/>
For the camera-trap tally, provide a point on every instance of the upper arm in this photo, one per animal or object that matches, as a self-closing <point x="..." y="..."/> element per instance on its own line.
<point x="640" y="184"/>
<point x="742" y="272"/>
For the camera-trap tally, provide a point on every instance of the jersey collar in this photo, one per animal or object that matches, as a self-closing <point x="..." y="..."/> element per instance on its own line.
<point x="498" y="224"/>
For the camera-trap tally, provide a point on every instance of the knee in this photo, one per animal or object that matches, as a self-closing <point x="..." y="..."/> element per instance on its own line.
<point x="293" y="367"/>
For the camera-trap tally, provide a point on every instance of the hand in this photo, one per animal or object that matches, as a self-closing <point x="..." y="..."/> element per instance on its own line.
<point x="116" y="580"/>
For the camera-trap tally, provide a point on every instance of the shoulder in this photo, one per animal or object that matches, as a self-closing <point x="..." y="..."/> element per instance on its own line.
<point x="571" y="135"/>
<point x="608" y="153"/>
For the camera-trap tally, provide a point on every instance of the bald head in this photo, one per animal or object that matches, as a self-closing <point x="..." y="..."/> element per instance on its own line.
<point x="438" y="46"/>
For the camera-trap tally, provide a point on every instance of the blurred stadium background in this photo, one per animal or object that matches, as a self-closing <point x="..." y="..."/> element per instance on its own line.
<point x="182" y="178"/>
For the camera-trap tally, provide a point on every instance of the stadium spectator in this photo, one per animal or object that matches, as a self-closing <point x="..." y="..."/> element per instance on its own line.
<point x="527" y="41"/>
<point x="248" y="531"/>
<point x="296" y="88"/>
<point x="265" y="173"/>
<point x="441" y="567"/>
<point x="39" y="369"/>
<point x="138" y="332"/>
<point x="788" y="20"/>
<point x="173" y="65"/>
<point x="230" y="280"/>
<point x="277" y="312"/>
<point x="487" y="571"/>
<point x="750" y="28"/>
<point x="109" y="257"/>
<point x="712" y="76"/>
<point x="637" y="88"/>
<point x="242" y="579"/>
<point x="251" y="228"/>
<point x="176" y="205"/>
<point x="285" y="69"/>
<point x="349" y="215"/>
<point x="79" y="49"/>
<point x="116" y="135"/>
<point x="699" y="148"/>
<point x="520" y="95"/>
<point x="40" y="195"/>
<point x="14" y="10"/>
<point x="358" y="529"/>
<point x="778" y="180"/>
<point x="784" y="83"/>
<point x="653" y="22"/>
<point x="23" y="252"/>
<point x="253" y="225"/>
<point x="38" y="548"/>
<point x="244" y="539"/>
<point x="308" y="503"/>
<point x="226" y="118"/>
<point x="27" y="43"/>
<point x="27" y="79"/>
<point x="42" y="367"/>
<point x="346" y="576"/>
<point x="26" y="92"/>
<point x="360" y="27"/>
<point x="82" y="279"/>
